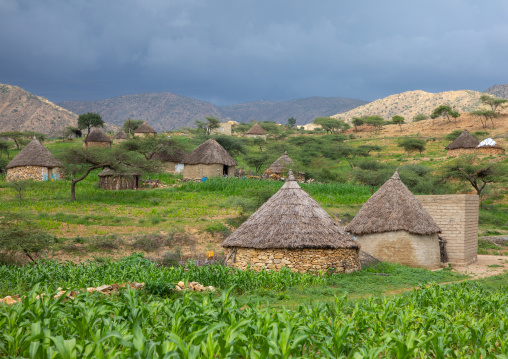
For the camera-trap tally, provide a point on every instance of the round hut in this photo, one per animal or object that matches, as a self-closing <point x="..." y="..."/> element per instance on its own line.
<point x="97" y="138"/>
<point x="279" y="167"/>
<point x="34" y="162"/>
<point x="393" y="226"/>
<point x="171" y="157"/>
<point x="256" y="131"/>
<point x="465" y="144"/>
<point x="490" y="147"/>
<point x="120" y="136"/>
<point x="145" y="130"/>
<point x="114" y="181"/>
<point x="208" y="160"/>
<point x="292" y="230"/>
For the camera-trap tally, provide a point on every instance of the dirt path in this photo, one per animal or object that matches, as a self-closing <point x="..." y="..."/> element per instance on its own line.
<point x="485" y="266"/>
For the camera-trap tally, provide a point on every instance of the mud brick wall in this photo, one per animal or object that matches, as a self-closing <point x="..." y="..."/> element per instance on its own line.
<point x="225" y="128"/>
<point x="301" y="260"/>
<point x="97" y="144"/>
<point x="200" y="170"/>
<point x="457" y="216"/>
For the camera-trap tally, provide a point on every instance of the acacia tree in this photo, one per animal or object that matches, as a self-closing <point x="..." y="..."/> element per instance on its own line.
<point x="357" y="121"/>
<point x="131" y="125"/>
<point x="22" y="138"/>
<point x="375" y="120"/>
<point x="331" y="124"/>
<point x="398" y="120"/>
<point x="291" y="122"/>
<point x="446" y="111"/>
<point x="89" y="120"/>
<point x="493" y="102"/>
<point x="412" y="144"/>
<point x="208" y="125"/>
<point x="85" y="160"/>
<point x="485" y="114"/>
<point x="256" y="160"/>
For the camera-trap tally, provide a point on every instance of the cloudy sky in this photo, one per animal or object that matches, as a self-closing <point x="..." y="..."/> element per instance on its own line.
<point x="233" y="51"/>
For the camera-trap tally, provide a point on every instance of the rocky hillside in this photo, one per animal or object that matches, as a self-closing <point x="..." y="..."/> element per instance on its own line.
<point x="500" y="91"/>
<point x="21" y="110"/>
<point x="410" y="103"/>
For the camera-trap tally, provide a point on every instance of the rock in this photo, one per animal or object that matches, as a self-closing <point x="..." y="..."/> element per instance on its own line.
<point x="181" y="284"/>
<point x="178" y="288"/>
<point x="9" y="300"/>
<point x="210" y="288"/>
<point x="104" y="288"/>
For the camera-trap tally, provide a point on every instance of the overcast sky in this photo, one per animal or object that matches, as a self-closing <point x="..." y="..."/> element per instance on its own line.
<point x="233" y="51"/>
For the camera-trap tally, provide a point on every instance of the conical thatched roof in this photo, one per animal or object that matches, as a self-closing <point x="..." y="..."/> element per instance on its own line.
<point x="256" y="130"/>
<point x="281" y="164"/>
<point x="169" y="154"/>
<point x="145" y="128"/>
<point x="210" y="152"/>
<point x="97" y="135"/>
<point x="465" y="140"/>
<point x="120" y="135"/>
<point x="34" y="154"/>
<point x="393" y="208"/>
<point x="291" y="219"/>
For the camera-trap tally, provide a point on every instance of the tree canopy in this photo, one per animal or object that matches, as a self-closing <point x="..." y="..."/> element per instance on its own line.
<point x="446" y="111"/>
<point x="485" y="115"/>
<point x="330" y="124"/>
<point x="208" y="125"/>
<point x="493" y="102"/>
<point x="131" y="125"/>
<point x="413" y="144"/>
<point x="398" y="120"/>
<point x="89" y="120"/>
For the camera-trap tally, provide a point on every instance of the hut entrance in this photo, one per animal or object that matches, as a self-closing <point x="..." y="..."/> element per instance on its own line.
<point x="224" y="170"/>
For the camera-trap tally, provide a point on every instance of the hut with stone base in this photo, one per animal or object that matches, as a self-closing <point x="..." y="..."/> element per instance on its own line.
<point x="97" y="138"/>
<point x="34" y="162"/>
<point x="120" y="136"/>
<point x="256" y="131"/>
<point x="465" y="144"/>
<point x="171" y="157"/>
<point x="145" y="130"/>
<point x="209" y="159"/>
<point x="292" y="230"/>
<point x="114" y="181"/>
<point x="489" y="147"/>
<point x="279" y="167"/>
<point x="393" y="226"/>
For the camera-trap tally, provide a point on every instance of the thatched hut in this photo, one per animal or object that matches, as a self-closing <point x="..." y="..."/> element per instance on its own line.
<point x="489" y="147"/>
<point x="291" y="229"/>
<point x="465" y="144"/>
<point x="256" y="131"/>
<point x="280" y="166"/>
<point x="171" y="157"/>
<point x="145" y="130"/>
<point x="97" y="138"/>
<point x="34" y="162"/>
<point x="113" y="181"/>
<point x="393" y="226"/>
<point x="208" y="160"/>
<point x="120" y="136"/>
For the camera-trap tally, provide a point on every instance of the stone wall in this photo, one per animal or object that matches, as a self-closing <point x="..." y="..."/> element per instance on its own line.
<point x="35" y="173"/>
<point x="457" y="216"/>
<point x="301" y="260"/>
<point x="402" y="247"/>
<point x="490" y="150"/>
<point x="460" y="151"/>
<point x="97" y="144"/>
<point x="225" y="128"/>
<point x="144" y="134"/>
<point x="200" y="170"/>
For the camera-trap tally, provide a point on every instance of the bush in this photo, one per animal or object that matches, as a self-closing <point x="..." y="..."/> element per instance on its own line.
<point x="453" y="135"/>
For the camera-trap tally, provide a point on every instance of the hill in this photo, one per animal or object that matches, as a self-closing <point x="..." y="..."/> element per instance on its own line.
<point x="410" y="103"/>
<point x="167" y="111"/>
<point x="500" y="91"/>
<point x="21" y="110"/>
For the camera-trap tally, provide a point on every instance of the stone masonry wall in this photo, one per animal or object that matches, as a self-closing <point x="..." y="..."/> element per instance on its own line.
<point x="35" y="173"/>
<point x="490" y="150"/>
<point x="301" y="260"/>
<point x="457" y="216"/>
<point x="96" y="144"/>
<point x="200" y="170"/>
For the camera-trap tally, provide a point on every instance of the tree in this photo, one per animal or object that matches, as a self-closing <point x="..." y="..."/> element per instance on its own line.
<point x="357" y="121"/>
<point x="131" y="125"/>
<point x="420" y="117"/>
<point x="22" y="138"/>
<point x="4" y="147"/>
<point x="453" y="135"/>
<point x="398" y="120"/>
<point x="347" y="152"/>
<point x="331" y="124"/>
<point x="242" y="127"/>
<point x="86" y="160"/>
<point x="446" y="111"/>
<point x="493" y="102"/>
<point x="233" y="145"/>
<point x="376" y="121"/>
<point x="258" y="142"/>
<point x="413" y="144"/>
<point x="89" y="120"/>
<point x="256" y="160"/>
<point x="485" y="114"/>
<point x="291" y="122"/>
<point x="72" y="131"/>
<point x="20" y="186"/>
<point x="372" y="177"/>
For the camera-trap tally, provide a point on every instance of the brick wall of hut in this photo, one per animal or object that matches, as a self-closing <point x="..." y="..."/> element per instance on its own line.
<point x="116" y="183"/>
<point x="35" y="173"/>
<point x="402" y="247"/>
<point x="200" y="170"/>
<point x="457" y="216"/>
<point x="470" y="151"/>
<point x="225" y="128"/>
<point x="460" y="151"/>
<point x="97" y="144"/>
<point x="256" y="136"/>
<point x="301" y="260"/>
<point x="488" y="150"/>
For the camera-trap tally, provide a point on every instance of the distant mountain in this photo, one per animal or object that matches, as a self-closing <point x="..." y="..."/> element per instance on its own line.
<point x="23" y="111"/>
<point x="500" y="91"/>
<point x="303" y="110"/>
<point x="167" y="111"/>
<point x="410" y="103"/>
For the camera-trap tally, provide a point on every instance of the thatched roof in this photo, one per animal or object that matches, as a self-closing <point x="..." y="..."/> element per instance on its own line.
<point x="169" y="154"/>
<point x="256" y="130"/>
<point x="393" y="208"/>
<point x="145" y="128"/>
<point x="291" y="218"/>
<point x="281" y="164"/>
<point x="120" y="135"/>
<point x="210" y="152"/>
<point x="34" y="154"/>
<point x="97" y="135"/>
<point x="465" y="140"/>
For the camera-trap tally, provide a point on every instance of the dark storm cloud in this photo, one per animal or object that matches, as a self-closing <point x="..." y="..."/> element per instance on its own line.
<point x="235" y="51"/>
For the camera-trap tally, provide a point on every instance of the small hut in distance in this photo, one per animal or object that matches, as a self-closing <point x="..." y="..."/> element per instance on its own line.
<point x="292" y="230"/>
<point x="393" y="226"/>
<point x="34" y="162"/>
<point x="114" y="181"/>
<point x="209" y="159"/>
<point x="280" y="167"/>
<point x="489" y="147"/>
<point x="256" y="131"/>
<point x="171" y="157"/>
<point x="145" y="130"/>
<point x="120" y="136"/>
<point x="465" y="144"/>
<point x="97" y="138"/>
